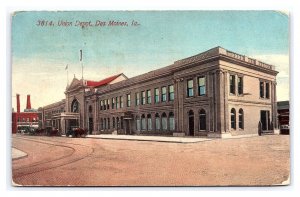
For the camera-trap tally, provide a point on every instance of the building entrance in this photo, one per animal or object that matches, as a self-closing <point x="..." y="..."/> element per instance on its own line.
<point x="265" y="120"/>
<point x="191" y="123"/>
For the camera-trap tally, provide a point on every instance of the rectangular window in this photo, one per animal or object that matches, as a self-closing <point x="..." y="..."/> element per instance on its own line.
<point x="101" y="105"/>
<point x="240" y="85"/>
<point x="157" y="123"/>
<point x="137" y="99"/>
<point x="267" y="90"/>
<point x="232" y="84"/>
<point x="149" y="122"/>
<point x="143" y="98"/>
<point x="138" y="124"/>
<point x="121" y="101"/>
<point x="117" y="103"/>
<point x="149" y="96"/>
<point x="107" y="103"/>
<point x="128" y="100"/>
<point x="171" y="93"/>
<point x="190" y="85"/>
<point x="164" y="94"/>
<point x="201" y="86"/>
<point x="144" y="124"/>
<point x="113" y="103"/>
<point x="156" y="95"/>
<point x="261" y="89"/>
<point x="172" y="123"/>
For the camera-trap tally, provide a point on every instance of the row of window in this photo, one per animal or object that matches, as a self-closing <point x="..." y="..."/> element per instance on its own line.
<point x="240" y="120"/>
<point x="161" y="123"/>
<point x="232" y="84"/>
<point x="201" y="82"/>
<point x="28" y="119"/>
<point x="141" y="98"/>
<point x="264" y="89"/>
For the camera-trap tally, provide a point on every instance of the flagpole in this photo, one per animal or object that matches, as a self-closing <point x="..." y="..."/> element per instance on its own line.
<point x="81" y="64"/>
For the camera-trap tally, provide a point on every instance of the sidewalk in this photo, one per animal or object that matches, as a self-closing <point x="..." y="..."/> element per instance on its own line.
<point x="150" y="138"/>
<point x="17" y="154"/>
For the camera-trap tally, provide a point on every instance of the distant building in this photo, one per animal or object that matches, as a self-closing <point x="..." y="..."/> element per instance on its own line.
<point x="28" y="118"/>
<point x="283" y="108"/>
<point x="216" y="93"/>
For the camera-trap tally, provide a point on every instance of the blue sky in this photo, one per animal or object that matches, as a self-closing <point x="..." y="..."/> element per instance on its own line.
<point x="160" y="39"/>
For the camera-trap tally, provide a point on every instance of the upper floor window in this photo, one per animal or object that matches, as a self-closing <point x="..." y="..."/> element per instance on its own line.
<point x="143" y="98"/>
<point x="137" y="99"/>
<point x="107" y="103"/>
<point x="156" y="95"/>
<point x="261" y="89"/>
<point x="267" y="90"/>
<point x="101" y="105"/>
<point x="232" y="84"/>
<point x="240" y="85"/>
<point x="121" y="101"/>
<point x="117" y="103"/>
<point x="113" y="103"/>
<point x="190" y="85"/>
<point x="128" y="100"/>
<point x="201" y="86"/>
<point x="163" y="94"/>
<point x="149" y="96"/>
<point x="171" y="93"/>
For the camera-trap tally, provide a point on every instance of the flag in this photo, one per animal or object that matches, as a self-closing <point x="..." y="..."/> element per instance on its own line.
<point x="66" y="67"/>
<point x="80" y="54"/>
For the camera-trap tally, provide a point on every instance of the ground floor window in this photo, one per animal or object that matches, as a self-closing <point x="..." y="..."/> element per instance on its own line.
<point x="202" y="120"/>
<point x="171" y="121"/>
<point x="149" y="122"/>
<point x="164" y="121"/>
<point x="143" y="122"/>
<point x="232" y="115"/>
<point x="241" y="119"/>
<point x="138" y="124"/>
<point x="157" y="122"/>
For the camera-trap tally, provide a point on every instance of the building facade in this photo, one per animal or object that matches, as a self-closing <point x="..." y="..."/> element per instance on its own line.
<point x="27" y="119"/>
<point x="216" y="93"/>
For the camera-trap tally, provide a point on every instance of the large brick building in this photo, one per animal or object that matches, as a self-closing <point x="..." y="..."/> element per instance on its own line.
<point x="28" y="118"/>
<point x="216" y="93"/>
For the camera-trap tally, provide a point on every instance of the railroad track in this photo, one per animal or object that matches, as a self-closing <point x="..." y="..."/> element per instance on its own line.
<point x="78" y="153"/>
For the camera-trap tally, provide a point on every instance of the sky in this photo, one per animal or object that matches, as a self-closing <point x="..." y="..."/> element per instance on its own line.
<point x="40" y="51"/>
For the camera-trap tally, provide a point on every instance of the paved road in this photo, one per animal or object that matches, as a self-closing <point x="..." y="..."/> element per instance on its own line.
<point x="61" y="161"/>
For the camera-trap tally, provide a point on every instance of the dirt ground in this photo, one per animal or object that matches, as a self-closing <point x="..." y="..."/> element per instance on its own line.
<point x="61" y="161"/>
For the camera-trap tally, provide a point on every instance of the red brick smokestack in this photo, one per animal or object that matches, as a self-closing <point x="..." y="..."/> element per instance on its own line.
<point x="18" y="103"/>
<point x="28" y="105"/>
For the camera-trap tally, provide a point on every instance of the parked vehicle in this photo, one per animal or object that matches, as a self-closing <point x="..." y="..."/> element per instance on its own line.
<point x="52" y="131"/>
<point x="76" y="132"/>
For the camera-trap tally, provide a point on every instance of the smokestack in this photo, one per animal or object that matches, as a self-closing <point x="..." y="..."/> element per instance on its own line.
<point x="18" y="103"/>
<point x="28" y="105"/>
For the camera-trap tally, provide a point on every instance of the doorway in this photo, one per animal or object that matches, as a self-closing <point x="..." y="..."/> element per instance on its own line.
<point x="265" y="120"/>
<point x="191" y="123"/>
<point x="91" y="125"/>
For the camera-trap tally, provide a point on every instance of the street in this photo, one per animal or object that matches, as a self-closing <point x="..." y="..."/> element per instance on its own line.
<point x="62" y="161"/>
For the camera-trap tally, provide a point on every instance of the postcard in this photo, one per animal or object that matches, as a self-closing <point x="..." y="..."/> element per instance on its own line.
<point x="150" y="98"/>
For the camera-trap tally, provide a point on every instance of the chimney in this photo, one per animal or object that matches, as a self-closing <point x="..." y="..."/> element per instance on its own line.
<point x="18" y="103"/>
<point x="28" y="105"/>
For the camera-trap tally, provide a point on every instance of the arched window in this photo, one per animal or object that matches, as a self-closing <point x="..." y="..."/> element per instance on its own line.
<point x="149" y="122"/>
<point x="157" y="122"/>
<point x="90" y="109"/>
<point x="108" y="123"/>
<point x="138" y="123"/>
<point x="232" y="115"/>
<point x="101" y="124"/>
<point x="143" y="122"/>
<point x="241" y="119"/>
<point x="202" y="120"/>
<point x="114" y="122"/>
<point x="171" y="121"/>
<point x="75" y="106"/>
<point x="164" y="122"/>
